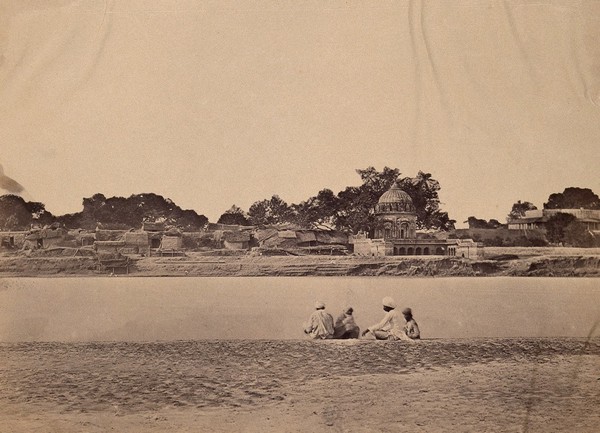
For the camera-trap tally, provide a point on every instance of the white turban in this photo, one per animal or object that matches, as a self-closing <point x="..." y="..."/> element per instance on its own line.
<point x="389" y="302"/>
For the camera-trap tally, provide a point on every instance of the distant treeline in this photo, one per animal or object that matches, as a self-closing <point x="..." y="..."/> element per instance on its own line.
<point x="350" y="210"/>
<point x="110" y="213"/>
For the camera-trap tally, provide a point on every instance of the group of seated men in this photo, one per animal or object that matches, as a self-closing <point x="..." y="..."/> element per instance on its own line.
<point x="393" y="326"/>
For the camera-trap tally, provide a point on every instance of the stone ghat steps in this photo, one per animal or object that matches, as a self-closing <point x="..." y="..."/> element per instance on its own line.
<point x="299" y="270"/>
<point x="409" y="267"/>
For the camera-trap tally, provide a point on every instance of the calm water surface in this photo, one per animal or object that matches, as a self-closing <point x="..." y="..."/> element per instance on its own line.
<point x="149" y="309"/>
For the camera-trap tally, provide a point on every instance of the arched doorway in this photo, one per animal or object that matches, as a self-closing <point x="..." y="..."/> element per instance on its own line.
<point x="402" y="251"/>
<point x="418" y="251"/>
<point x="410" y="252"/>
<point x="426" y="251"/>
<point x="403" y="231"/>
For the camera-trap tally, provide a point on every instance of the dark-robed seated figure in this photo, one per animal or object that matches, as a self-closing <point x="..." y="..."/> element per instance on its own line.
<point x="345" y="327"/>
<point x="411" y="329"/>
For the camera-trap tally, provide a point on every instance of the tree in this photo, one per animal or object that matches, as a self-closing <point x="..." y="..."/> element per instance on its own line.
<point x="234" y="216"/>
<point x="272" y="211"/>
<point x="17" y="214"/>
<point x="356" y="206"/>
<point x="319" y="209"/>
<point x="353" y="209"/>
<point x="356" y="210"/>
<point x="577" y="235"/>
<point x="11" y="223"/>
<point x="131" y="212"/>
<point x="476" y="223"/>
<point x="573" y="198"/>
<point x="494" y="224"/>
<point x="423" y="190"/>
<point x="519" y="208"/>
<point x="556" y="225"/>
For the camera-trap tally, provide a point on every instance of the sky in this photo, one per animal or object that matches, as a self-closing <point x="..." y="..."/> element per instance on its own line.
<point x="215" y="103"/>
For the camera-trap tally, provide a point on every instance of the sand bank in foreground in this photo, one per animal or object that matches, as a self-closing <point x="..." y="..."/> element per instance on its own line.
<point x="505" y="386"/>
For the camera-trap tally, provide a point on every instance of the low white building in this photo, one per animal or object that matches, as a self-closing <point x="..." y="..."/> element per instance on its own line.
<point x="537" y="219"/>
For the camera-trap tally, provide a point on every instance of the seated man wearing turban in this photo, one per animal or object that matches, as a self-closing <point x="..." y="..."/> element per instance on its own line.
<point x="320" y="323"/>
<point x="391" y="326"/>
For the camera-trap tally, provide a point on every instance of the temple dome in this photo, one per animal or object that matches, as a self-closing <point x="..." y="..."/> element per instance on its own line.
<point x="395" y="199"/>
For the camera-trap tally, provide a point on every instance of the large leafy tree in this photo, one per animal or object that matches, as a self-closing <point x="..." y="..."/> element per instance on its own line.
<point x="131" y="212"/>
<point x="423" y="190"/>
<point x="17" y="214"/>
<point x="353" y="209"/>
<point x="519" y="208"/>
<point x="477" y="223"/>
<point x="356" y="204"/>
<point x="577" y="235"/>
<point x="234" y="216"/>
<point x="573" y="198"/>
<point x="271" y="211"/>
<point x="319" y="209"/>
<point x="556" y="226"/>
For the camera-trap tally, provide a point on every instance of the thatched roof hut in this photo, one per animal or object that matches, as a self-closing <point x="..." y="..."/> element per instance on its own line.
<point x="238" y="240"/>
<point x="109" y="235"/>
<point x="287" y="234"/>
<point x="153" y="226"/>
<point x="109" y="246"/>
<point x="331" y="237"/>
<point x="264" y="235"/>
<point x="137" y="239"/>
<point x="306" y="238"/>
<point x="171" y="243"/>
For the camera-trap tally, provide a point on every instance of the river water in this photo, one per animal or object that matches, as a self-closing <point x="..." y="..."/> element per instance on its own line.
<point x="169" y="309"/>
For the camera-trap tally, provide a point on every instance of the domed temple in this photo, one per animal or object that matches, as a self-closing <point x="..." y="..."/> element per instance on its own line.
<point x="396" y="215"/>
<point x="396" y="232"/>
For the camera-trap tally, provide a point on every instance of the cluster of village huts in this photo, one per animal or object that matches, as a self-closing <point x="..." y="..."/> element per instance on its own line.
<point x="155" y="238"/>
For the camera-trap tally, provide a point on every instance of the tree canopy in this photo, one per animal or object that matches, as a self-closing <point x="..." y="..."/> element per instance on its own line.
<point x="573" y="198"/>
<point x="519" y="208"/>
<point x="353" y="209"/>
<point x="234" y="216"/>
<point x="271" y="211"/>
<point x="477" y="223"/>
<point x="131" y="212"/>
<point x="556" y="225"/>
<point x="18" y="214"/>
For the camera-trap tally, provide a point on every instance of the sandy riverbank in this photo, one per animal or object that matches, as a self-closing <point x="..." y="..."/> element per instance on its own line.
<point x="508" y="385"/>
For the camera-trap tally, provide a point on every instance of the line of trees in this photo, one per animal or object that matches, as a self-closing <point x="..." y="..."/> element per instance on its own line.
<point x="18" y="214"/>
<point x="110" y="213"/>
<point x="352" y="209"/>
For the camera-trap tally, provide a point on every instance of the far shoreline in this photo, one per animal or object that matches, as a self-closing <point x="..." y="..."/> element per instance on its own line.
<point x="498" y="262"/>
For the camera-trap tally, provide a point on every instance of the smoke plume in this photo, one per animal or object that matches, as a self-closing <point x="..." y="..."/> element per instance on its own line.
<point x="9" y="184"/>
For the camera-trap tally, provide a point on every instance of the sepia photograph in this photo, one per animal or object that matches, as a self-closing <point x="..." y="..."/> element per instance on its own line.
<point x="265" y="216"/>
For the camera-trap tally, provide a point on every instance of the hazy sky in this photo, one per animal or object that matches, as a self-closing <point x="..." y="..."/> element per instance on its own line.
<point x="212" y="103"/>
